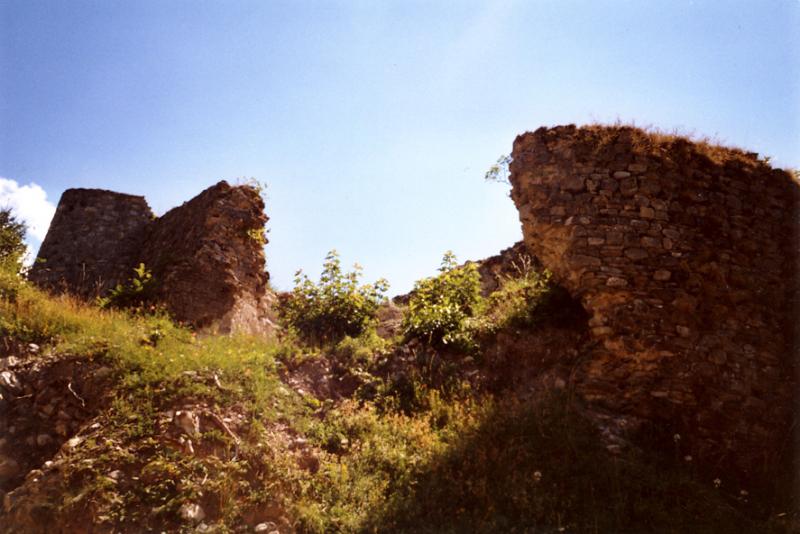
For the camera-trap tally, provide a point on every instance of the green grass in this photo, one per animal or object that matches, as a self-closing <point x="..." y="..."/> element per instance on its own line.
<point x="461" y="461"/>
<point x="159" y="366"/>
<point x="147" y="351"/>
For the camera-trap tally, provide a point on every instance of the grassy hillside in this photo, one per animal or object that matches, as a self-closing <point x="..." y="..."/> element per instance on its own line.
<point x="166" y="430"/>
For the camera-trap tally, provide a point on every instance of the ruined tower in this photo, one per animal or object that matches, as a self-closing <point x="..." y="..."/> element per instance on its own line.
<point x="685" y="257"/>
<point x="206" y="256"/>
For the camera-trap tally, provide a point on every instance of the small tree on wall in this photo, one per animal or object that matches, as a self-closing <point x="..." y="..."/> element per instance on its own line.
<point x="499" y="172"/>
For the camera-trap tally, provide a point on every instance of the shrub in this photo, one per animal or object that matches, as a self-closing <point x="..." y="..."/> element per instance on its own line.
<point x="336" y="307"/>
<point x="440" y="308"/>
<point x="135" y="294"/>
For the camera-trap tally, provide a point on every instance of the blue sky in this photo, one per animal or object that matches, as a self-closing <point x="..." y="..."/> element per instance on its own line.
<point x="371" y="122"/>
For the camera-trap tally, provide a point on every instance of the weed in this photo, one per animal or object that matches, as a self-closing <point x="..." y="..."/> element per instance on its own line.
<point x="258" y="235"/>
<point x="134" y="295"/>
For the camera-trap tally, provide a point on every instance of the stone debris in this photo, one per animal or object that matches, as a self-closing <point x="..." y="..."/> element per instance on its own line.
<point x="10" y="382"/>
<point x="188" y="422"/>
<point x="10" y="361"/>
<point x="73" y="442"/>
<point x="192" y="512"/>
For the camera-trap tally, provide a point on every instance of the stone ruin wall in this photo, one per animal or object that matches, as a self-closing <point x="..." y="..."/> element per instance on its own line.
<point x="685" y="257"/>
<point x="207" y="262"/>
<point x="92" y="241"/>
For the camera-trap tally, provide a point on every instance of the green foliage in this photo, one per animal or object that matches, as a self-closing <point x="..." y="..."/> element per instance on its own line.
<point x="134" y="295"/>
<point x="521" y="301"/>
<point x="440" y="308"/>
<point x="12" y="242"/>
<point x="372" y="456"/>
<point x="355" y="354"/>
<point x="539" y="466"/>
<point x="259" y="235"/>
<point x="12" y="250"/>
<point x="499" y="171"/>
<point x="336" y="307"/>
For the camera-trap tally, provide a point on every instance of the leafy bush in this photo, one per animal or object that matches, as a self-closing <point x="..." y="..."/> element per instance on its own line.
<point x="336" y="307"/>
<point x="440" y="308"/>
<point x="135" y="294"/>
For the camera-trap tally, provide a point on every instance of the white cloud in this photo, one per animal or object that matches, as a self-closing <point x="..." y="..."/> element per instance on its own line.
<point x="29" y="204"/>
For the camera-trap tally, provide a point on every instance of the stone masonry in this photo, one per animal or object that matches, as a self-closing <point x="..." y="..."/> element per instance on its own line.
<point x="206" y="256"/>
<point x="685" y="257"/>
<point x="92" y="241"/>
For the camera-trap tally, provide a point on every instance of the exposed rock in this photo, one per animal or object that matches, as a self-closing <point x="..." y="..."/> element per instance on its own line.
<point x="188" y="422"/>
<point x="103" y="372"/>
<point x="9" y="467"/>
<point x="269" y="528"/>
<point x="62" y="428"/>
<point x="192" y="512"/>
<point x="390" y="320"/>
<point x="10" y="382"/>
<point x="73" y="442"/>
<point x="10" y="361"/>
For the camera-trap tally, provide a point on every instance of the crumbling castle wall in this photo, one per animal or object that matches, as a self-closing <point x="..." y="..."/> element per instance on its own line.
<point x="92" y="241"/>
<point x="685" y="257"/>
<point x="206" y="256"/>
